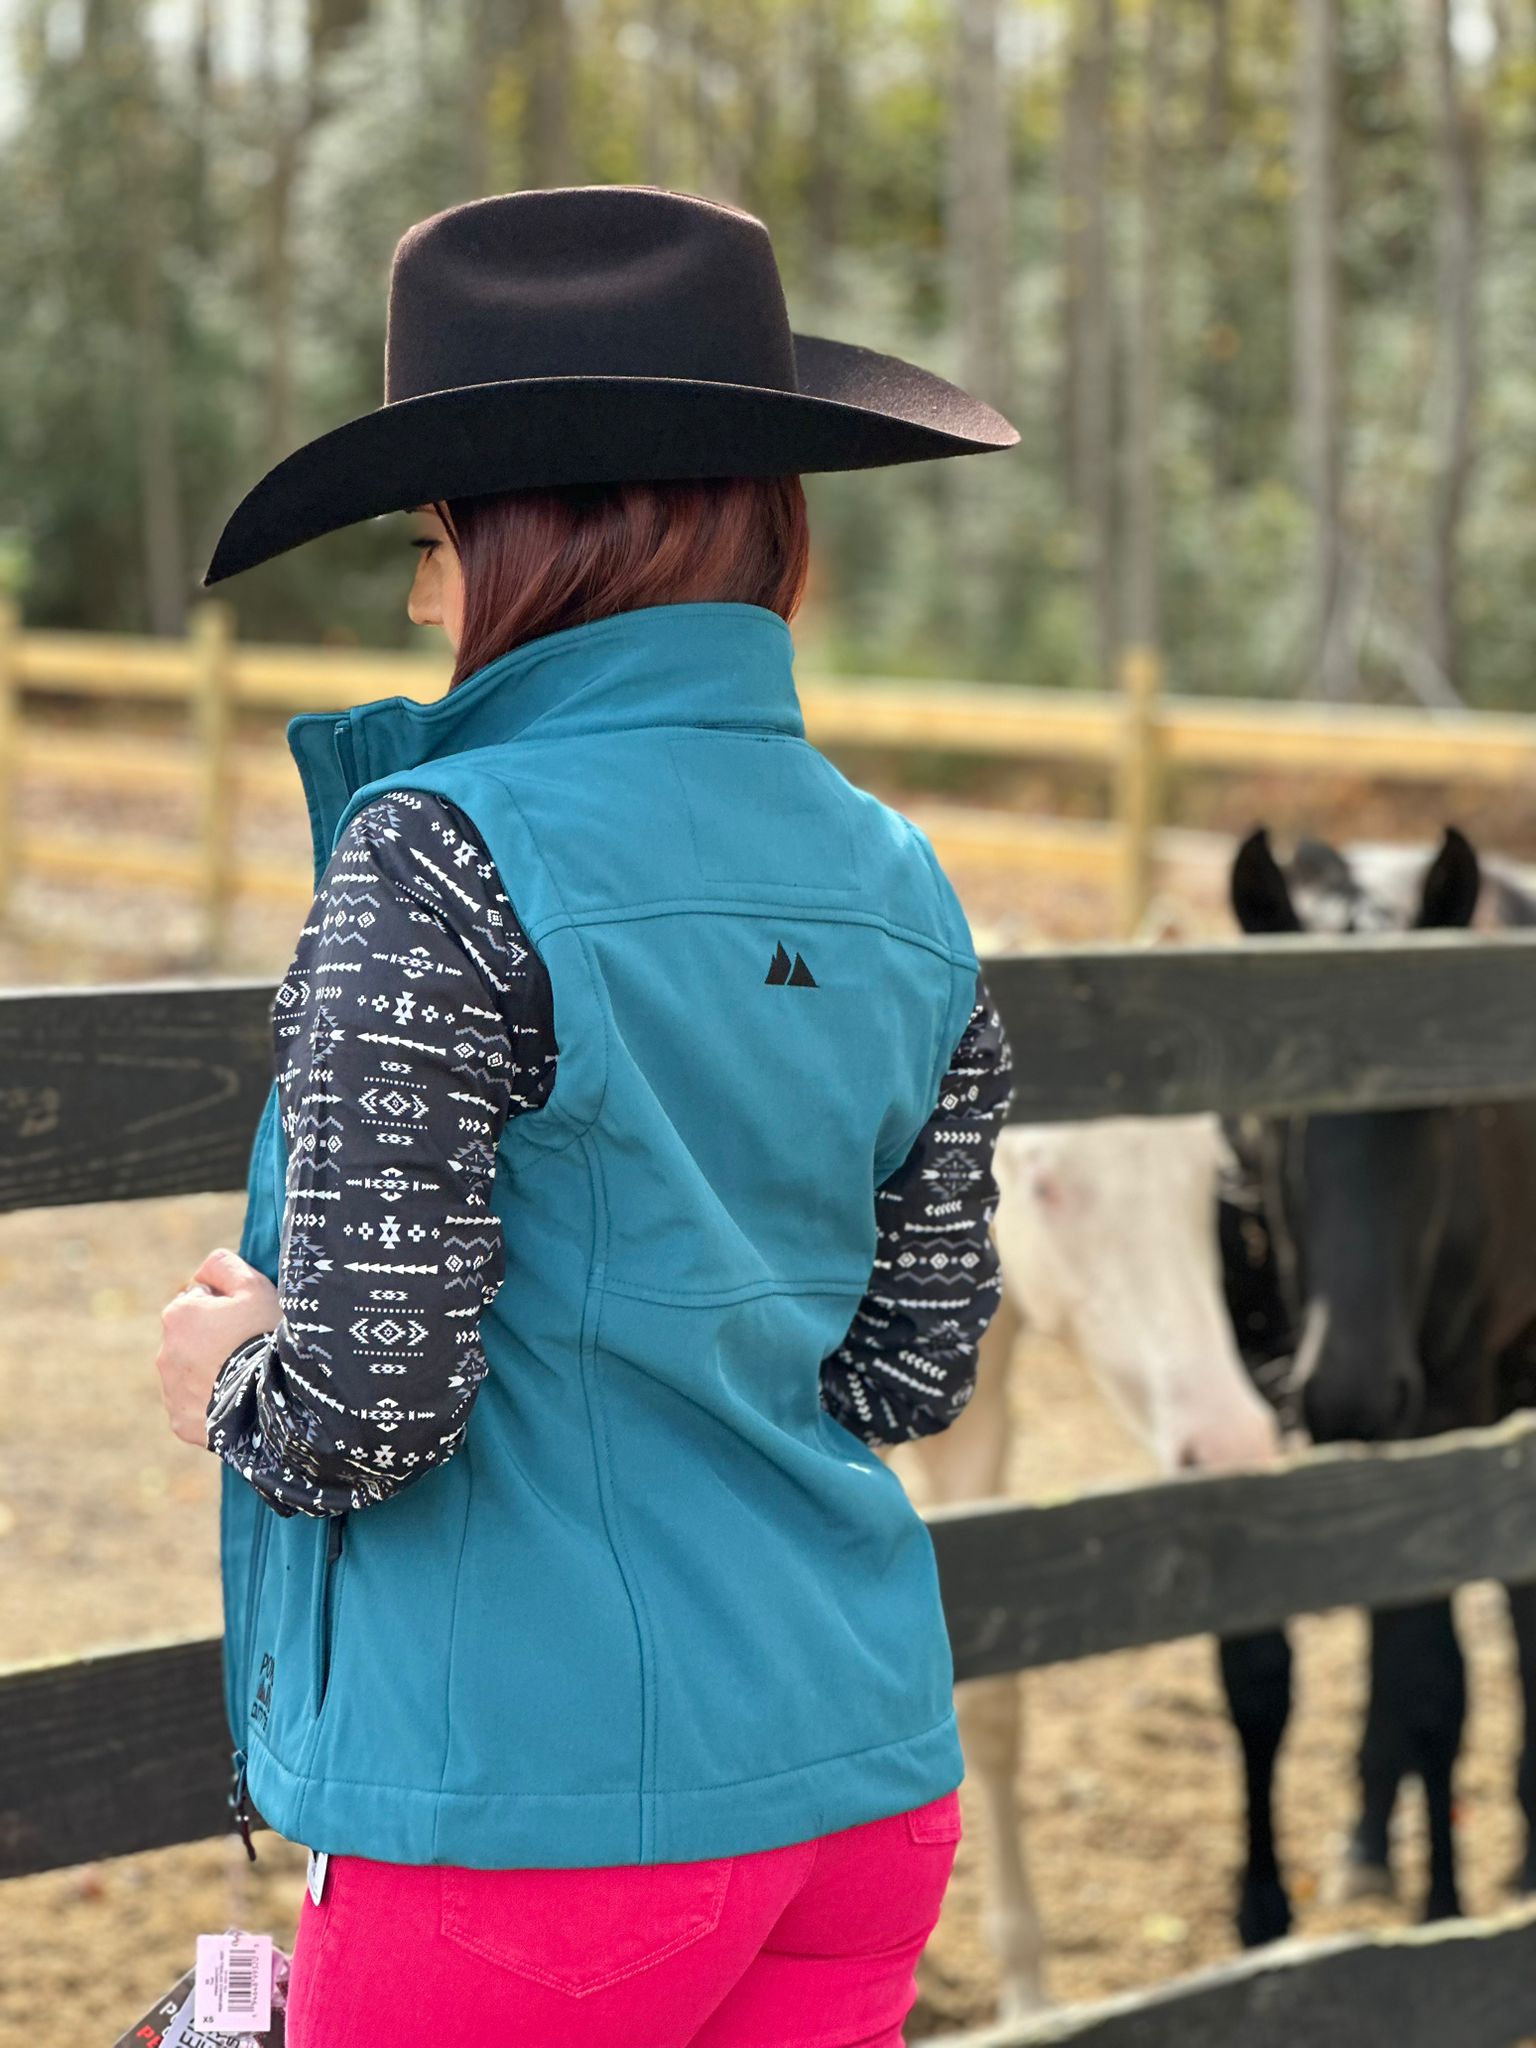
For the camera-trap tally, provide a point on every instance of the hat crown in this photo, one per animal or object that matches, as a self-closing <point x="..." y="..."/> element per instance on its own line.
<point x="586" y="280"/>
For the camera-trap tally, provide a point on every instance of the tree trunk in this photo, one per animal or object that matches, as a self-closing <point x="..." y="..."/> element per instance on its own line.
<point x="547" y="108"/>
<point x="1143" y="507"/>
<point x="701" y="61"/>
<point x="1091" y="313"/>
<point x="656" y="151"/>
<point x="293" y="118"/>
<point x="281" y="429"/>
<point x="478" y="44"/>
<point x="1072" y="214"/>
<point x="1316" y="337"/>
<point x="199" y="234"/>
<point x="977" y="228"/>
<point x="754" y="60"/>
<point x="826" y="185"/>
<point x="159" y="467"/>
<point x="1218" y="79"/>
<point x="1458" y="256"/>
<point x="117" y="53"/>
<point x="123" y="46"/>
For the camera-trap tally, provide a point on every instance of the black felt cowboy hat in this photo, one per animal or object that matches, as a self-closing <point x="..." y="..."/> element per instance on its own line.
<point x="596" y="334"/>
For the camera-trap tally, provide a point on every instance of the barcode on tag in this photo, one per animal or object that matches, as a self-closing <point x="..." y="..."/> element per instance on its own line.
<point x="240" y="1984"/>
<point x="234" y="1983"/>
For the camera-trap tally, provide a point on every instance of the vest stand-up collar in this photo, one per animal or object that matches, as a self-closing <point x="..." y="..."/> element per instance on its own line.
<point x="720" y="664"/>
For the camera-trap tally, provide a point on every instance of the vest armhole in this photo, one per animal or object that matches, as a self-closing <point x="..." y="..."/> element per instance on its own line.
<point x="555" y="1124"/>
<point x="952" y="928"/>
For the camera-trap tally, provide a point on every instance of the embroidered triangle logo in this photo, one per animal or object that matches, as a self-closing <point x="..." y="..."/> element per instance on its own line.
<point x="782" y="975"/>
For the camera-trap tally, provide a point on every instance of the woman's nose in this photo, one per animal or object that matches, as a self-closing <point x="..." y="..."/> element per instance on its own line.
<point x="419" y="607"/>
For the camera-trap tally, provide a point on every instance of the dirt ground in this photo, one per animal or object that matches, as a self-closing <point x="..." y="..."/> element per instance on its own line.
<point x="108" y="1537"/>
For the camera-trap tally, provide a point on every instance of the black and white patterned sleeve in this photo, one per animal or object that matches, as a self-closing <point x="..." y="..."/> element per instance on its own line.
<point x="908" y="1364"/>
<point x="416" y="1018"/>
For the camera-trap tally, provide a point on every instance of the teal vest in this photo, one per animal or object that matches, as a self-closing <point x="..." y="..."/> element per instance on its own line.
<point x="659" y="1605"/>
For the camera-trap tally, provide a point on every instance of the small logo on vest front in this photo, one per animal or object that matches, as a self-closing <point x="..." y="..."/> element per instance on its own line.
<point x="261" y="1705"/>
<point x="781" y="974"/>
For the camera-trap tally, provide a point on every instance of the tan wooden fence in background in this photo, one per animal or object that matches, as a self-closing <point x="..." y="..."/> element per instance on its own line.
<point x="1138" y="736"/>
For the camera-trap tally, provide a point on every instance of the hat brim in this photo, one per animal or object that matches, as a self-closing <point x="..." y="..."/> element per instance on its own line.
<point x="855" y="409"/>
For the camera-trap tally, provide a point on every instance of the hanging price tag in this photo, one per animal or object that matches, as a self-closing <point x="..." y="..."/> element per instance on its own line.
<point x="233" y="1989"/>
<point x="170" y="2023"/>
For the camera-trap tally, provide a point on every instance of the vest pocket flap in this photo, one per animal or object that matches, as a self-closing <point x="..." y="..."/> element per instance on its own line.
<point x="938" y="1821"/>
<point x="579" y="1930"/>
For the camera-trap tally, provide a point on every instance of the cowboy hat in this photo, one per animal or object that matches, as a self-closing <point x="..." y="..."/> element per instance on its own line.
<point x="596" y="334"/>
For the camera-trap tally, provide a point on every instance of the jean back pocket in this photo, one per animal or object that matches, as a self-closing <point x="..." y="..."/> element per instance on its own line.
<point x="577" y="1931"/>
<point x="938" y="1821"/>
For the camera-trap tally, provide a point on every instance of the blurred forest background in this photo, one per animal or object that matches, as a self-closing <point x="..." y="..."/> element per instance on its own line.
<point x="1257" y="283"/>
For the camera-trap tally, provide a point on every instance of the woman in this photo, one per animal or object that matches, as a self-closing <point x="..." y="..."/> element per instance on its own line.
<point x="626" y="1176"/>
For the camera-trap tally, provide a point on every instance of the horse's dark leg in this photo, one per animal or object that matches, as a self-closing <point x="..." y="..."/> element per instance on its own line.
<point x="1256" y="1671"/>
<point x="1386" y="1758"/>
<point x="1522" y="1614"/>
<point x="1443" y="1695"/>
<point x="1414" y="1723"/>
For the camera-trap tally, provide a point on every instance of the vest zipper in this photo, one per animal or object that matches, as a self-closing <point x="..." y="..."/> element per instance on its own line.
<point x="333" y="1542"/>
<point x="237" y="1798"/>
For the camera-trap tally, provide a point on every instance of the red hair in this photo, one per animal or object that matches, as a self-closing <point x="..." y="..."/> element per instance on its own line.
<point x="535" y="561"/>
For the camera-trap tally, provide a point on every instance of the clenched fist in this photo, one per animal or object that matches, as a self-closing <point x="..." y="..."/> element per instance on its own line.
<point x="225" y="1302"/>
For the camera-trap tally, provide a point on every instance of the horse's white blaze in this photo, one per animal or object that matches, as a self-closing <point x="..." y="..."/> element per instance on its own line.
<point x="1106" y="1233"/>
<point x="1314" y="1335"/>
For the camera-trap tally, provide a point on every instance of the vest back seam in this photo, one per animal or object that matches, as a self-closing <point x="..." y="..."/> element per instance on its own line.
<point x="805" y="913"/>
<point x="453" y="1637"/>
<point x="729" y="1297"/>
<point x="591" y="1323"/>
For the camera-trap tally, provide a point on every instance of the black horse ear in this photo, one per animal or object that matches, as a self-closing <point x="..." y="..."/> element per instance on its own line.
<point x="1261" y="902"/>
<point x="1450" y="885"/>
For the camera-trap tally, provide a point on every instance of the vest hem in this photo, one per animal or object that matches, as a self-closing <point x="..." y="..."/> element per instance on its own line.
<point x="391" y="1823"/>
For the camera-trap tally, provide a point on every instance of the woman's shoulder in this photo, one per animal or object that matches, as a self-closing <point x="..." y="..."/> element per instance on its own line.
<point x="426" y="856"/>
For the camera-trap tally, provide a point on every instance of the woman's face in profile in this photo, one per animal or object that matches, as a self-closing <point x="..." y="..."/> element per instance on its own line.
<point x="437" y="591"/>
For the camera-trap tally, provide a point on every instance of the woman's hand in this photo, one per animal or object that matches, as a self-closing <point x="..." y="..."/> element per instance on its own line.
<point x="224" y="1303"/>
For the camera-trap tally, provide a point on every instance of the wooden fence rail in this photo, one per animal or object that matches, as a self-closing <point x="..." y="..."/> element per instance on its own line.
<point x="1139" y="736"/>
<point x="155" y="1088"/>
<point x="116" y="1093"/>
<point x="1465" y="1984"/>
<point x="125" y="1751"/>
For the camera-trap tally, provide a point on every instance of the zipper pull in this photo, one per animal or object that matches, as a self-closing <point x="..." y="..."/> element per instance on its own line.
<point x="237" y="1802"/>
<point x="333" y="1537"/>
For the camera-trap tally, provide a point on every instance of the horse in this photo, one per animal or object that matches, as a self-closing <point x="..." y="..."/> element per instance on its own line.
<point x="1095" y="1219"/>
<point x="1106" y="1237"/>
<point x="1382" y="1261"/>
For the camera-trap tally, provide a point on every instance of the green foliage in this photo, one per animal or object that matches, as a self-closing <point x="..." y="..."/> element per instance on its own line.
<point x="244" y="230"/>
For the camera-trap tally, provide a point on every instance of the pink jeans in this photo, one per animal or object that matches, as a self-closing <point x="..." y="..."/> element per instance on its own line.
<point x="811" y="1946"/>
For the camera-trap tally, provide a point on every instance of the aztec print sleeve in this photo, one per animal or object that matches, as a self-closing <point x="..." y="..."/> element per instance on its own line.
<point x="908" y="1364"/>
<point x="415" y="1019"/>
